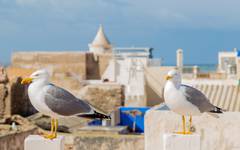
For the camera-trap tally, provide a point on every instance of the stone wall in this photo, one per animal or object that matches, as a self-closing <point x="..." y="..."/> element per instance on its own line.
<point x="92" y="67"/>
<point x="108" y="142"/>
<point x="106" y="96"/>
<point x="57" y="62"/>
<point x="3" y="95"/>
<point x="3" y="91"/>
<point x="12" y="139"/>
<point x="83" y="64"/>
<point x="216" y="133"/>
<point x="97" y="64"/>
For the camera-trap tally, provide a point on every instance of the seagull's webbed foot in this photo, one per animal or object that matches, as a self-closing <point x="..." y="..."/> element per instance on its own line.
<point x="185" y="133"/>
<point x="50" y="136"/>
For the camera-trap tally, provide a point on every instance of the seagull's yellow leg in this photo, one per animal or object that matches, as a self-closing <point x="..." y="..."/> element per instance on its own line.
<point x="54" y="133"/>
<point x="184" y="126"/>
<point x="190" y="126"/>
<point x="55" y="130"/>
<point x="48" y="136"/>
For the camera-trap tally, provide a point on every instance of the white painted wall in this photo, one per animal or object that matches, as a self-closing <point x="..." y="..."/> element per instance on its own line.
<point x="129" y="71"/>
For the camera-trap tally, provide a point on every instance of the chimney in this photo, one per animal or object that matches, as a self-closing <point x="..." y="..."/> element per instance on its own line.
<point x="179" y="59"/>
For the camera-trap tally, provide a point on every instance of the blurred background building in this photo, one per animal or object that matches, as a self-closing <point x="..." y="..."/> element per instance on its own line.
<point x="123" y="81"/>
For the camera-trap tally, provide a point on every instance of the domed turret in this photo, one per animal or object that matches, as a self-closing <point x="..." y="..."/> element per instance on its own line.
<point x="100" y="44"/>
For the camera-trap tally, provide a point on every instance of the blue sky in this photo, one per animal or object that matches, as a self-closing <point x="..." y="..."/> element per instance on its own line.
<point x="201" y="28"/>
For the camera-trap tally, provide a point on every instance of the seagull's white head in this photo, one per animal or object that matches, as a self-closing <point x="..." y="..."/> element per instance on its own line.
<point x="174" y="76"/>
<point x="38" y="75"/>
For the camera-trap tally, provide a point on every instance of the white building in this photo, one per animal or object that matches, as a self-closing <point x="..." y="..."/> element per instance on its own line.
<point x="127" y="67"/>
<point x="228" y="61"/>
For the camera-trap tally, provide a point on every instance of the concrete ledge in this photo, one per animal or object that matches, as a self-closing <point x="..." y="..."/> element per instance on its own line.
<point x="104" y="129"/>
<point x="36" y="142"/>
<point x="216" y="133"/>
<point x="181" y="142"/>
<point x="108" y="142"/>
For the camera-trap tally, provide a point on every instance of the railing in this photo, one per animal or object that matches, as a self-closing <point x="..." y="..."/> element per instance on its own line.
<point x="133" y="52"/>
<point x="195" y="72"/>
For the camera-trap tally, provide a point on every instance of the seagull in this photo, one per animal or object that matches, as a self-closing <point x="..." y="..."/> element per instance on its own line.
<point x="57" y="102"/>
<point x="186" y="100"/>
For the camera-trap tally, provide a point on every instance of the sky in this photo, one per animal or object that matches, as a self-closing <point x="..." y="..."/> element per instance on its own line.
<point x="200" y="28"/>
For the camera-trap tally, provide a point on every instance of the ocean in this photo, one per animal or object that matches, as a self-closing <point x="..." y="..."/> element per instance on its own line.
<point x="207" y="67"/>
<point x="204" y="68"/>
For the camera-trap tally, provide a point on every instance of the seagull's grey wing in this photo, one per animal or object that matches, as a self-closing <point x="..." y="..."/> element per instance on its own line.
<point x="197" y="98"/>
<point x="64" y="103"/>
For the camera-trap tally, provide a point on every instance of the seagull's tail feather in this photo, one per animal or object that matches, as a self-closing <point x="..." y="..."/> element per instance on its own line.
<point x="95" y="115"/>
<point x="217" y="110"/>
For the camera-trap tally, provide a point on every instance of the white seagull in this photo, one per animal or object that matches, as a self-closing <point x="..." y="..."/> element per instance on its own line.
<point x="186" y="100"/>
<point x="56" y="102"/>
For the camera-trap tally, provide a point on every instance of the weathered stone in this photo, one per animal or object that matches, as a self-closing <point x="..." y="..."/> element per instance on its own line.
<point x="108" y="142"/>
<point x="12" y="139"/>
<point x="216" y="133"/>
<point x="17" y="119"/>
<point x="15" y="140"/>
<point x="3" y="95"/>
<point x="3" y="75"/>
<point x="106" y="97"/>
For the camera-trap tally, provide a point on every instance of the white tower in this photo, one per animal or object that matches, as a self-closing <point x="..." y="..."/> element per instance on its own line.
<point x="100" y="44"/>
<point x="180" y="59"/>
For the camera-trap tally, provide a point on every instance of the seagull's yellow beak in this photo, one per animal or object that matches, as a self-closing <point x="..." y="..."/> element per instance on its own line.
<point x="168" y="77"/>
<point x="26" y="80"/>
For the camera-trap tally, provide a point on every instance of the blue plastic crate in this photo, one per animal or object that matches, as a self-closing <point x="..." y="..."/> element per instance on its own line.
<point x="95" y="122"/>
<point x="127" y="118"/>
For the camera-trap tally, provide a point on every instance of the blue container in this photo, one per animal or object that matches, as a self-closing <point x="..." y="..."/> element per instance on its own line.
<point x="127" y="117"/>
<point x="95" y="122"/>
